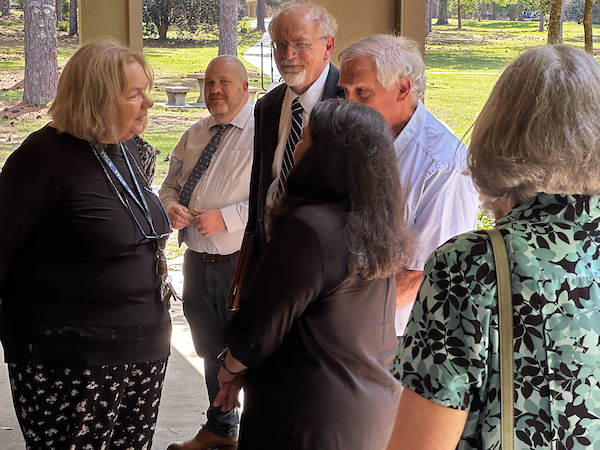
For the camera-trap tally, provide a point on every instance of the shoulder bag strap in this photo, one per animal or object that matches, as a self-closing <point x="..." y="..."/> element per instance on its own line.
<point x="505" y="332"/>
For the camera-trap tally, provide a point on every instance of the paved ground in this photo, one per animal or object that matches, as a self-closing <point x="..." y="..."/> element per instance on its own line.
<point x="263" y="49"/>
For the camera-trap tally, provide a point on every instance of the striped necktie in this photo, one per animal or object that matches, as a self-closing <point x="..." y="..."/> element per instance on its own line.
<point x="290" y="145"/>
<point x="201" y="165"/>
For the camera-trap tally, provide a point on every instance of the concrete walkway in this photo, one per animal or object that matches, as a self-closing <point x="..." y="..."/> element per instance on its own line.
<point x="259" y="55"/>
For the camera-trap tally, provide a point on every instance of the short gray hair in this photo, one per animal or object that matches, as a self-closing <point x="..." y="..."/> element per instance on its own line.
<point x="540" y="128"/>
<point x="395" y="58"/>
<point x="326" y="23"/>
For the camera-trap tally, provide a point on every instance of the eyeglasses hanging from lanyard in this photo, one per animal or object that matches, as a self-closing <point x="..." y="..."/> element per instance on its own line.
<point x="167" y="291"/>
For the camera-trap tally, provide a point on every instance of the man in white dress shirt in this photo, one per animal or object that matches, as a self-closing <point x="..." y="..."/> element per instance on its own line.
<point x="206" y="197"/>
<point x="388" y="74"/>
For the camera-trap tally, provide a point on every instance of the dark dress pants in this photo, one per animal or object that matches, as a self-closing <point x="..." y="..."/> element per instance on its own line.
<point x="205" y="289"/>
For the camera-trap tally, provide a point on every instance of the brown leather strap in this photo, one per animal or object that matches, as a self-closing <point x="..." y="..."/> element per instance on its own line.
<point x="505" y="333"/>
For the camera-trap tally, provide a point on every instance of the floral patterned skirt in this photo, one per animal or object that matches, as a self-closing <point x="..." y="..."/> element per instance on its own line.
<point x="77" y="408"/>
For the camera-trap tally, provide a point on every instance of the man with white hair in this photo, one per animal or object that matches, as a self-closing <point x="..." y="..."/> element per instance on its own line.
<point x="388" y="74"/>
<point x="302" y="39"/>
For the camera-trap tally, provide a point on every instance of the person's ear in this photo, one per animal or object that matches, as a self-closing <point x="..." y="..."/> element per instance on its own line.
<point x="404" y="86"/>
<point x="329" y="45"/>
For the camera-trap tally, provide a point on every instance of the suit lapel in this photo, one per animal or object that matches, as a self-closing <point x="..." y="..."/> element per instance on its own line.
<point x="332" y="90"/>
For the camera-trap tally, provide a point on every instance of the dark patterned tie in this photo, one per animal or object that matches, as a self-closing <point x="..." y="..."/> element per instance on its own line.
<point x="290" y="145"/>
<point x="201" y="165"/>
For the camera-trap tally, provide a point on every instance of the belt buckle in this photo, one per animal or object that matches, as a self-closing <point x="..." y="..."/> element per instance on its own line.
<point x="207" y="258"/>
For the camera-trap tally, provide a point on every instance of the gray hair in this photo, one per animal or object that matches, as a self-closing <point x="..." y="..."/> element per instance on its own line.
<point x="539" y="131"/>
<point x="394" y="57"/>
<point x="326" y="23"/>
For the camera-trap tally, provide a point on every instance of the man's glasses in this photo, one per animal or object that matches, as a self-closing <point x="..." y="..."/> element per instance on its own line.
<point x="280" y="47"/>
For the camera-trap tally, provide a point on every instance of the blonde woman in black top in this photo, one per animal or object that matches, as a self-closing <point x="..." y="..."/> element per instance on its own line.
<point x="85" y="333"/>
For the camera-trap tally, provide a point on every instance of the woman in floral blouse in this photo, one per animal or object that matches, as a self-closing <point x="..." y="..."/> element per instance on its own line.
<point x="535" y="158"/>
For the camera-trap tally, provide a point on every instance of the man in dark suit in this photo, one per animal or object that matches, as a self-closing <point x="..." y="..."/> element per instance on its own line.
<point x="303" y="39"/>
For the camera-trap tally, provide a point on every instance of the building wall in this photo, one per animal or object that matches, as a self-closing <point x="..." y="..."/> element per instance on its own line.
<point x="119" y="19"/>
<point x="358" y="19"/>
<point x="122" y="20"/>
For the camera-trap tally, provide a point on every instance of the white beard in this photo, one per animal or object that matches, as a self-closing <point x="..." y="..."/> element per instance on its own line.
<point x="292" y="78"/>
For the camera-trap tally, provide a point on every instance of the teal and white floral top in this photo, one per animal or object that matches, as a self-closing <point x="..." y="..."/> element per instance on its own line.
<point x="450" y="350"/>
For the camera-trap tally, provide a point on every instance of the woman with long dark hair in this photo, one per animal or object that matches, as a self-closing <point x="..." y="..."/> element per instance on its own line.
<point x="313" y="340"/>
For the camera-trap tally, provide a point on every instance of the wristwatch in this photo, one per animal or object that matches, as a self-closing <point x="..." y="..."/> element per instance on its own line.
<point x="221" y="358"/>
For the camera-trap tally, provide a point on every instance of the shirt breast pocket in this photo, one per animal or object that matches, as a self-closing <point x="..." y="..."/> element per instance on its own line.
<point x="237" y="165"/>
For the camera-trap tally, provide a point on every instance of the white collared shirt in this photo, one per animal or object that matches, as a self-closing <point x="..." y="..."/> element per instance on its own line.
<point x="441" y="199"/>
<point x="225" y="185"/>
<point x="308" y="100"/>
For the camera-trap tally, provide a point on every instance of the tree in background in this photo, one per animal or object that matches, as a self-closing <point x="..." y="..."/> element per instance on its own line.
<point x="587" y="26"/>
<point x="228" y="27"/>
<point x="185" y="13"/>
<point x="586" y="12"/>
<point x="5" y="7"/>
<point x="443" y="13"/>
<point x="72" y="17"/>
<point x="261" y="14"/>
<point x="41" y="56"/>
<point x="428" y="16"/>
<point x="554" y="22"/>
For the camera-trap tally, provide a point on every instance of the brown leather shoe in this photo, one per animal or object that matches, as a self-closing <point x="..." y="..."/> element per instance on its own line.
<point x="206" y="440"/>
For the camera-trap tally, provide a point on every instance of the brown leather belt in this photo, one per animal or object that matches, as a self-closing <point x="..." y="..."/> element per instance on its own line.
<point x="207" y="257"/>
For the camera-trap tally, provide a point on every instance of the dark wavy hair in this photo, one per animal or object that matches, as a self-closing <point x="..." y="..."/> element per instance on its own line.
<point x="352" y="162"/>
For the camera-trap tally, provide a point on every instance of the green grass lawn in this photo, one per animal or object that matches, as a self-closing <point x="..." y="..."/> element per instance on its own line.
<point x="462" y="67"/>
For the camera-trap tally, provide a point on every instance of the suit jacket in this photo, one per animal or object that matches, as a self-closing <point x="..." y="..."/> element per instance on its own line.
<point x="267" y="114"/>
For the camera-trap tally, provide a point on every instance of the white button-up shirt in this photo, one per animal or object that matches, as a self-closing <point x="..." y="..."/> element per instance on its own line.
<point x="225" y="185"/>
<point x="441" y="199"/>
<point x="308" y="100"/>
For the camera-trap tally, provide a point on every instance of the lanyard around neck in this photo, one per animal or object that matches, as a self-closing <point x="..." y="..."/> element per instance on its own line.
<point x="141" y="201"/>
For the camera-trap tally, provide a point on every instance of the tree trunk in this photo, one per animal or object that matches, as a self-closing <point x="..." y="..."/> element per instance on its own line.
<point x="541" y="27"/>
<point x="261" y="14"/>
<point x="228" y="27"/>
<point x="443" y="13"/>
<point x="554" y="22"/>
<point x="163" y="26"/>
<point x="562" y="15"/>
<point x="5" y="7"/>
<point x="428" y="16"/>
<point x="72" y="17"/>
<point x="59" y="16"/>
<point x="459" y="18"/>
<point x="41" y="57"/>
<point x="587" y="26"/>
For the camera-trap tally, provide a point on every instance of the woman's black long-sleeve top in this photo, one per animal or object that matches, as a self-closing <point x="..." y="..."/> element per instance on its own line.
<point x="78" y="284"/>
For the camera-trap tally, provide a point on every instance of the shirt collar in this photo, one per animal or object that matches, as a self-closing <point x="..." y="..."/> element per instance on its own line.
<point x="412" y="128"/>
<point x="313" y="95"/>
<point x="238" y="121"/>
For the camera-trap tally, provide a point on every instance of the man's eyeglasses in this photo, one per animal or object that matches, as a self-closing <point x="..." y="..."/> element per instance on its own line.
<point x="280" y="47"/>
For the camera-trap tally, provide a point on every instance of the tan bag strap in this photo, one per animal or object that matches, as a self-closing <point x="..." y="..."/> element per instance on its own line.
<point x="505" y="333"/>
